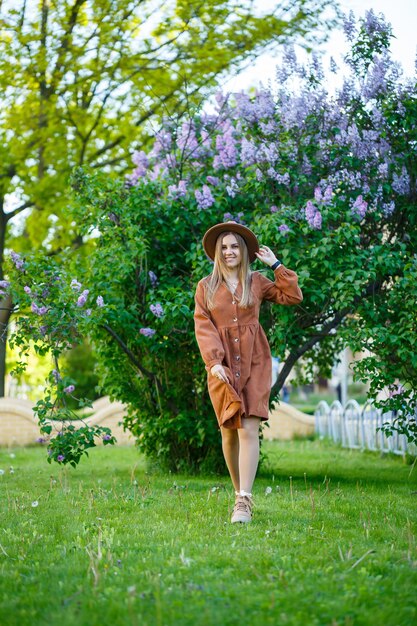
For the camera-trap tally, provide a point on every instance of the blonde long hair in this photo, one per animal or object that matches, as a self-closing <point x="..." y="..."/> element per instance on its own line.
<point x="220" y="271"/>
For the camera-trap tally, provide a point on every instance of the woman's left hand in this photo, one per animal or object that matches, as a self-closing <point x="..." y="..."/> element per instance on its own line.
<point x="266" y="255"/>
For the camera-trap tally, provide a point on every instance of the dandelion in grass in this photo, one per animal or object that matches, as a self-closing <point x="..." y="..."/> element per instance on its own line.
<point x="268" y="490"/>
<point x="1" y="472"/>
<point x="35" y="503"/>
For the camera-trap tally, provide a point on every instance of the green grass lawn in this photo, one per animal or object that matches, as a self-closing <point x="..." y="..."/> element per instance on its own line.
<point x="333" y="543"/>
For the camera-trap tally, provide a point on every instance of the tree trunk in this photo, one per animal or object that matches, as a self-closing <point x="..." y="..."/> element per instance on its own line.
<point x="5" y="312"/>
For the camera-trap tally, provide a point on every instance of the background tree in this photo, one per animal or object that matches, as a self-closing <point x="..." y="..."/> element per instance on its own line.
<point x="329" y="182"/>
<point x="80" y="78"/>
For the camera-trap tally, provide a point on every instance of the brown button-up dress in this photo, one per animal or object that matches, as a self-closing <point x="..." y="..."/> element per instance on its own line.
<point x="233" y="337"/>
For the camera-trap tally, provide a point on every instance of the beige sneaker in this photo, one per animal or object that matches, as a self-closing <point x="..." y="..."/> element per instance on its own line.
<point x="242" y="511"/>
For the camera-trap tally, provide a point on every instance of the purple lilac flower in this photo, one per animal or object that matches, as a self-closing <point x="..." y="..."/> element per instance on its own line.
<point x="17" y="260"/>
<point x="88" y="312"/>
<point x="317" y="220"/>
<point x="317" y="194"/>
<point x="283" y="228"/>
<point x="39" y="310"/>
<point x="153" y="278"/>
<point x="270" y="152"/>
<point x="388" y="208"/>
<point x="205" y="138"/>
<point x="359" y="207"/>
<point x="186" y="138"/>
<point x="75" y="285"/>
<point x="204" y="198"/>
<point x="313" y="215"/>
<point x="282" y="179"/>
<point x="376" y="24"/>
<point x="401" y="183"/>
<point x="268" y="128"/>
<point x="264" y="105"/>
<point x="27" y="290"/>
<point x="147" y="332"/>
<point x="178" y="191"/>
<point x="232" y="188"/>
<point x="376" y="79"/>
<point x="248" y="152"/>
<point x="163" y="141"/>
<point x="259" y="175"/>
<point x="83" y="298"/>
<point x="106" y="437"/>
<point x="383" y="169"/>
<point x="43" y="330"/>
<point x="349" y="26"/>
<point x="328" y="195"/>
<point x="227" y="217"/>
<point x="60" y="458"/>
<point x="41" y="440"/>
<point x="56" y="375"/>
<point x="69" y="389"/>
<point x="157" y="309"/>
<point x="100" y="301"/>
<point x="226" y="148"/>
<point x="4" y="284"/>
<point x="213" y="180"/>
<point x="333" y="66"/>
<point x="274" y="209"/>
<point x="140" y="159"/>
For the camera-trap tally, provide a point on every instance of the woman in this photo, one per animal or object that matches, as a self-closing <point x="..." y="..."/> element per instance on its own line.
<point x="234" y="347"/>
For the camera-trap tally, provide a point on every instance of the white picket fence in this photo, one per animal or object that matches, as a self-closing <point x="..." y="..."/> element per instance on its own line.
<point x="357" y="427"/>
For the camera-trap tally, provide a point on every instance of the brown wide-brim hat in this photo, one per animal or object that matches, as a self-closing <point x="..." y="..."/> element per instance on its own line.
<point x="210" y="238"/>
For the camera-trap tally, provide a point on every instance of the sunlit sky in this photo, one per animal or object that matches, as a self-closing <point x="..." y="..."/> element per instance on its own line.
<point x="402" y="14"/>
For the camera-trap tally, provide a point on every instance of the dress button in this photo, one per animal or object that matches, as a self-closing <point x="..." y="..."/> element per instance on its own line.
<point x="237" y="374"/>
<point x="236" y="340"/>
<point x="235" y="319"/>
<point x="233" y="301"/>
<point x="237" y="358"/>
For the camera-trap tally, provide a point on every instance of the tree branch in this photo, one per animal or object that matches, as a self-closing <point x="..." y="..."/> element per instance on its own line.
<point x="132" y="358"/>
<point x="19" y="209"/>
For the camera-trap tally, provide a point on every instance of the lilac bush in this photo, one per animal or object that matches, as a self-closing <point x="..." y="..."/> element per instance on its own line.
<point x="327" y="181"/>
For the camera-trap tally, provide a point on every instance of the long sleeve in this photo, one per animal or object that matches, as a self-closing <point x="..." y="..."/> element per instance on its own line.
<point x="208" y="339"/>
<point x="284" y="290"/>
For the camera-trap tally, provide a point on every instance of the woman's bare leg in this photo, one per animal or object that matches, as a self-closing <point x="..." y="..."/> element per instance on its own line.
<point x="248" y="452"/>
<point x="230" y="445"/>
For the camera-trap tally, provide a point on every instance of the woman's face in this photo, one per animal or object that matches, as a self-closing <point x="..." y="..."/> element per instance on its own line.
<point x="231" y="252"/>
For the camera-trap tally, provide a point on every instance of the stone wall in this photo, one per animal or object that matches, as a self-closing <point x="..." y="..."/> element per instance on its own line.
<point x="19" y="426"/>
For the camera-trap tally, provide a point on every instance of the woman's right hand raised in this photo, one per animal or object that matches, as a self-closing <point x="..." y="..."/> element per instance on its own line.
<point x="219" y="372"/>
